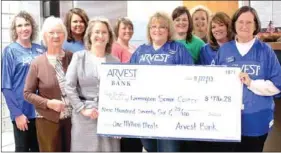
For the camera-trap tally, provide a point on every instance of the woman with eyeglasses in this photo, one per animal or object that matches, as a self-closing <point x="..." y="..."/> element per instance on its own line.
<point x="161" y="50"/>
<point x="44" y="88"/>
<point x="261" y="73"/>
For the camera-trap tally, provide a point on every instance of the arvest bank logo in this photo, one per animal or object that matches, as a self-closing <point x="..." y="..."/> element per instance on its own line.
<point x="121" y="77"/>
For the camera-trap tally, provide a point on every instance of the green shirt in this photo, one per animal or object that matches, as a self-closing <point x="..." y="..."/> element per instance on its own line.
<point x="193" y="47"/>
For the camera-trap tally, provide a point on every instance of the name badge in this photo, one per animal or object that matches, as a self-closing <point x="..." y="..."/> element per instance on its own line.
<point x="39" y="50"/>
<point x="230" y="59"/>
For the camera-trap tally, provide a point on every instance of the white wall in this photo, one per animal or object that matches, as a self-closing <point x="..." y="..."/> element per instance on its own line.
<point x="140" y="11"/>
<point x="268" y="10"/>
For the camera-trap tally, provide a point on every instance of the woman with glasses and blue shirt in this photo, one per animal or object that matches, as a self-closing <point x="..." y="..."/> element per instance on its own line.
<point x="161" y="50"/>
<point x="261" y="73"/>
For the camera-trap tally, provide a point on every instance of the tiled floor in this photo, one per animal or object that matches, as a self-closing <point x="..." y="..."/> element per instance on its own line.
<point x="8" y="141"/>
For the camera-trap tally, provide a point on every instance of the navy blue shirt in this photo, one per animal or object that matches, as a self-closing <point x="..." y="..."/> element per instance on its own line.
<point x="170" y="53"/>
<point x="207" y="55"/>
<point x="15" y="65"/>
<point x="260" y="63"/>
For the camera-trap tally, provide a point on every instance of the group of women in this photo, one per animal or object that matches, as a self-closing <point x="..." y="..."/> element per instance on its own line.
<point x="52" y="91"/>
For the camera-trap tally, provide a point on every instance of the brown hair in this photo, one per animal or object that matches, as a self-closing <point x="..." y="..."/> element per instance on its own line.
<point x="245" y="9"/>
<point x="25" y="15"/>
<point x="219" y="17"/>
<point x="178" y="12"/>
<point x="88" y="33"/>
<point x="123" y="20"/>
<point x="160" y="16"/>
<point x="67" y="21"/>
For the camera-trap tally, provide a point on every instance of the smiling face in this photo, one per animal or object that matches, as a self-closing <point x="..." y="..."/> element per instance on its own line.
<point x="159" y="31"/>
<point x="200" y="21"/>
<point x="245" y="26"/>
<point x="99" y="35"/>
<point x="181" y="23"/>
<point x="125" y="32"/>
<point x="77" y="25"/>
<point x="219" y="31"/>
<point x="23" y="29"/>
<point x="55" y="36"/>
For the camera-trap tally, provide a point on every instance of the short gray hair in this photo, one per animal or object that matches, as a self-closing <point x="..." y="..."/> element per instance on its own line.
<point x="49" y="23"/>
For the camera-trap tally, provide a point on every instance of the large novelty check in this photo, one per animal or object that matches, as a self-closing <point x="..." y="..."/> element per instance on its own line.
<point x="170" y="102"/>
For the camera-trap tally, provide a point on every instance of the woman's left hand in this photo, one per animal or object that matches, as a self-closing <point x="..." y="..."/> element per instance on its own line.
<point x="245" y="79"/>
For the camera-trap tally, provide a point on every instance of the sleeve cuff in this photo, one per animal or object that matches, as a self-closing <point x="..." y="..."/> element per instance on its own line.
<point x="16" y="113"/>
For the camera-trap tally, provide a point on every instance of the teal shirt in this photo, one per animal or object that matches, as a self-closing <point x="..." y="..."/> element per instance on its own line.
<point x="193" y="47"/>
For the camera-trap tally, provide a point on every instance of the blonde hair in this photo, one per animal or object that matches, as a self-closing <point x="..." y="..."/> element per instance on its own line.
<point x="164" y="17"/>
<point x="201" y="8"/>
<point x="88" y="33"/>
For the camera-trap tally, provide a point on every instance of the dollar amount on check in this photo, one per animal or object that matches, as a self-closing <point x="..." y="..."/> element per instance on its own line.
<point x="170" y="102"/>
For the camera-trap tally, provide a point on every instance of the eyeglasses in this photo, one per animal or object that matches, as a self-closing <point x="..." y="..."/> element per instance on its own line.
<point x="162" y="28"/>
<point x="58" y="33"/>
<point x="246" y="23"/>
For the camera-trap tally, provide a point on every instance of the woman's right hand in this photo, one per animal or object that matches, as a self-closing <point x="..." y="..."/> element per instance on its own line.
<point x="92" y="113"/>
<point x="56" y="105"/>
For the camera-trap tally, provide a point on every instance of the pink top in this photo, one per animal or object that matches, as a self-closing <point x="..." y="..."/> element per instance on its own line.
<point x="121" y="53"/>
